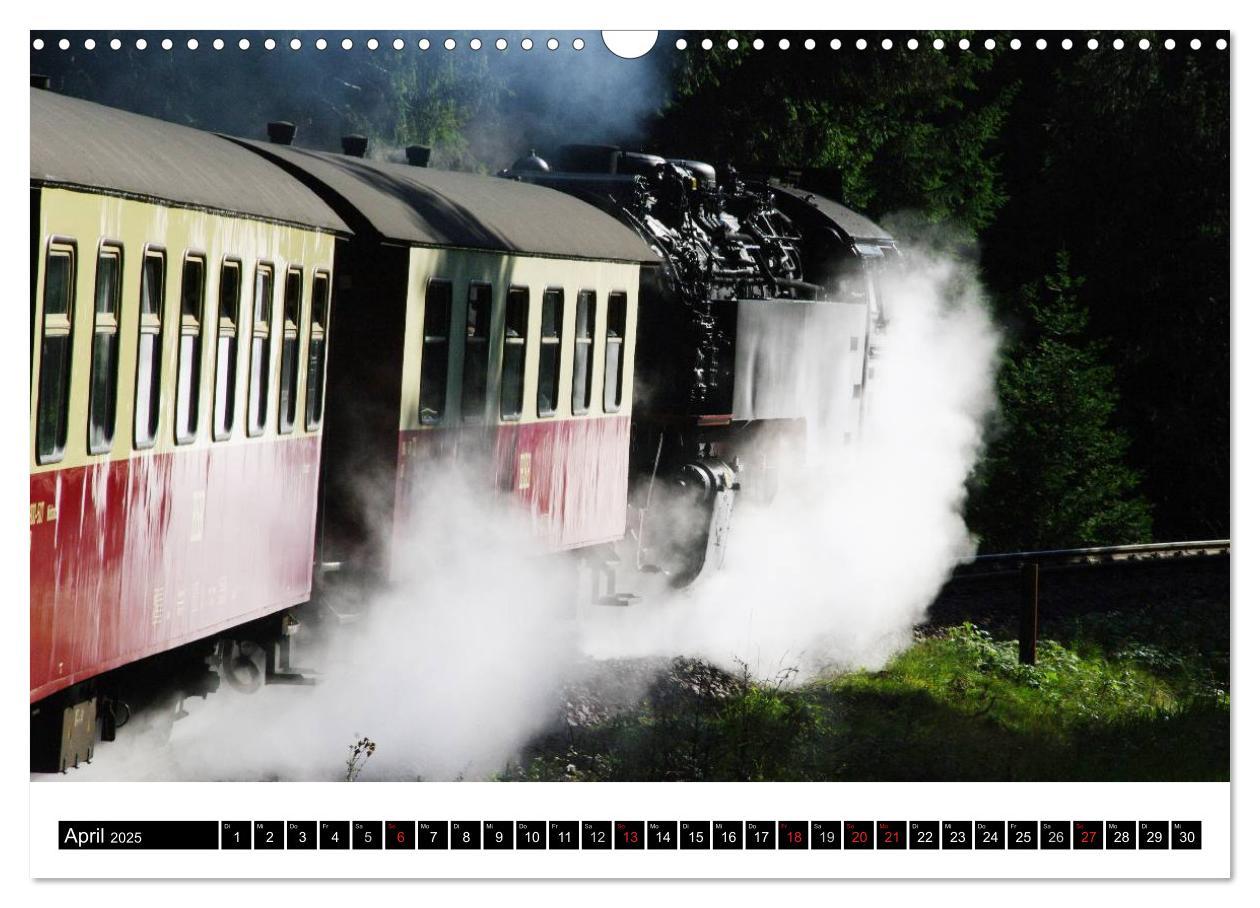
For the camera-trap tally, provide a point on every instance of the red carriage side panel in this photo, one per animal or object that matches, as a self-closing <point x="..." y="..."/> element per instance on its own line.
<point x="134" y="557"/>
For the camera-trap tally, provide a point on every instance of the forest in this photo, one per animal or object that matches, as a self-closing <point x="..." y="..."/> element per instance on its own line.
<point x="1090" y="187"/>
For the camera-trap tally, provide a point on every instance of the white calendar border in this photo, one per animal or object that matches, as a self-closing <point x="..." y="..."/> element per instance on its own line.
<point x="572" y="13"/>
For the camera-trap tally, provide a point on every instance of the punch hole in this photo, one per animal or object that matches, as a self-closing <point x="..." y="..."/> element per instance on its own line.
<point x="475" y="44"/>
<point x="732" y="44"/>
<point x="1016" y="44"/>
<point x="552" y="44"/>
<point x="630" y="45"/>
<point x="89" y="44"/>
<point x="527" y="43"/>
<point x="501" y="44"/>
<point x="809" y="44"/>
<point x="399" y="44"/>
<point x="295" y="44"/>
<point x="835" y="43"/>
<point x="707" y="44"/>
<point x="886" y="44"/>
<point x="269" y="44"/>
<point x="939" y="44"/>
<point x="1221" y="44"/>
<point x="1195" y="43"/>
<point x="758" y="44"/>
<point x="913" y="44"/>
<point x="116" y="44"/>
<point x="578" y="44"/>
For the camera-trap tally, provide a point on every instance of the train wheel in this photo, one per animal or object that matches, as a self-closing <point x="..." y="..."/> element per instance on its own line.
<point x="243" y="666"/>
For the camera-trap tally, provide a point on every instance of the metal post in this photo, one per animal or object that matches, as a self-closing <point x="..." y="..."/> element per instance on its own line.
<point x="1028" y="613"/>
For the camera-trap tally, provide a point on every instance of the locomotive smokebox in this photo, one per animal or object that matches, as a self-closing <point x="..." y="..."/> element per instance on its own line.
<point x="281" y="132"/>
<point x="355" y="146"/>
<point x="418" y="155"/>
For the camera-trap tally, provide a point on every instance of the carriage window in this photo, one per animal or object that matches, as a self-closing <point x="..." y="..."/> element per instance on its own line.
<point x="476" y="352"/>
<point x="583" y="341"/>
<point x="103" y="385"/>
<point x="260" y="352"/>
<point x="317" y="351"/>
<point x="549" y="352"/>
<point x="192" y="294"/>
<point x="149" y="348"/>
<point x="225" y="355"/>
<point x="614" y="341"/>
<point x="515" y="322"/>
<point x="435" y="351"/>
<point x="54" y="357"/>
<point x="289" y="349"/>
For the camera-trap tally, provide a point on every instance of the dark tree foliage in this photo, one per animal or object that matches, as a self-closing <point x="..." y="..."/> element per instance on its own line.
<point x="898" y="129"/>
<point x="1122" y="158"/>
<point x="1054" y="475"/>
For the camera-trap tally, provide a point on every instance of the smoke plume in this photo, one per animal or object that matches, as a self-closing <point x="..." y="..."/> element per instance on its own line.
<point x="837" y="570"/>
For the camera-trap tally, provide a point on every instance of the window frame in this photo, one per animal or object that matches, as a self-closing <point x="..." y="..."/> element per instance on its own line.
<point x="521" y="340"/>
<point x="198" y="323"/>
<point x="545" y="343"/>
<point x="226" y="263"/>
<point x="106" y="248"/>
<point x="433" y="340"/>
<point x="621" y="348"/>
<point x="156" y="327"/>
<point x="317" y="331"/>
<point x="294" y="334"/>
<point x="260" y="330"/>
<point x="589" y="342"/>
<point x="483" y="341"/>
<point x="59" y="246"/>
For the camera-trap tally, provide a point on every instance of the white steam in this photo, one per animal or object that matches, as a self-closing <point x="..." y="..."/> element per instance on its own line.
<point x="838" y="569"/>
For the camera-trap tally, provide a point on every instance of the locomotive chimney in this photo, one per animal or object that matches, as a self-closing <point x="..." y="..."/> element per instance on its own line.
<point x="418" y="155"/>
<point x="39" y="80"/>
<point x="354" y="146"/>
<point x="280" y="132"/>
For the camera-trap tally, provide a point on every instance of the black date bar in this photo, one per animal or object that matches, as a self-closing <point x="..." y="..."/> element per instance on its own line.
<point x="137" y="835"/>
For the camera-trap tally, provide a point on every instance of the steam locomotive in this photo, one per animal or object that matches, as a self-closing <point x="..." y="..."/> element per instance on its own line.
<point x="595" y="337"/>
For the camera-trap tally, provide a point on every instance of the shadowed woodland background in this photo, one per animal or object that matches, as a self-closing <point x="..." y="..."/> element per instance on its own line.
<point x="1092" y="188"/>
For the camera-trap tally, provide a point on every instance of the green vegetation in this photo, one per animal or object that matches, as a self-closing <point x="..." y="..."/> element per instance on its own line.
<point x="1054" y="474"/>
<point x="1103" y="703"/>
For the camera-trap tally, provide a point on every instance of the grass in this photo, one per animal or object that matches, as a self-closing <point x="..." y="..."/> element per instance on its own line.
<point x="1113" y="697"/>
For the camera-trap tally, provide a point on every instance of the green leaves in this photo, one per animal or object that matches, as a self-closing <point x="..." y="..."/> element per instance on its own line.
<point x="1055" y="473"/>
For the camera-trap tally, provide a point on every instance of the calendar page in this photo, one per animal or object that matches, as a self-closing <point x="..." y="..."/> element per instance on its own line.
<point x="468" y="448"/>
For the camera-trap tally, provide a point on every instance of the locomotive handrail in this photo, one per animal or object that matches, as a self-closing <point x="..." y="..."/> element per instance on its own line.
<point x="1094" y="555"/>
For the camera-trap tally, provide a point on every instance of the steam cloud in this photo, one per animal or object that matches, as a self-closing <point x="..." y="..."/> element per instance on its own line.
<point x="463" y="660"/>
<point x="836" y="571"/>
